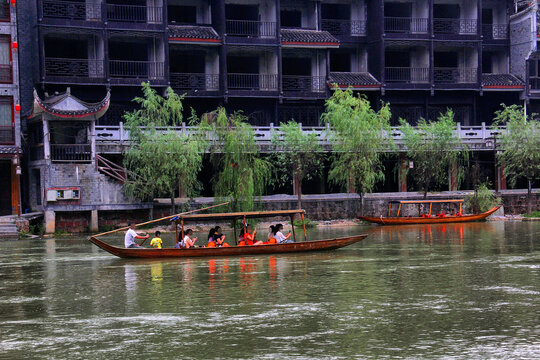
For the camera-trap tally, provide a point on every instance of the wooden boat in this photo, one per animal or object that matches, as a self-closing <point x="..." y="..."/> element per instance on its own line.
<point x="427" y="219"/>
<point x="303" y="246"/>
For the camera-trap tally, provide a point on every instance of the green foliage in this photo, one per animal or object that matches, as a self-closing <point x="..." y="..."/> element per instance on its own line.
<point x="533" y="214"/>
<point x="433" y="147"/>
<point x="358" y="137"/>
<point x="161" y="160"/>
<point x="297" y="155"/>
<point x="519" y="145"/>
<point x="37" y="229"/>
<point x="482" y="200"/>
<point x="309" y="223"/>
<point x="242" y="174"/>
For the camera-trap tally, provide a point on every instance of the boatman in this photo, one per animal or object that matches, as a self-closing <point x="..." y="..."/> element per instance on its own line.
<point x="131" y="235"/>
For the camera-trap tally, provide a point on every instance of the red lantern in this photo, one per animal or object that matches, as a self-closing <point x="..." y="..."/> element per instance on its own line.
<point x="17" y="107"/>
<point x="13" y="2"/>
<point x="15" y="45"/>
<point x="233" y="165"/>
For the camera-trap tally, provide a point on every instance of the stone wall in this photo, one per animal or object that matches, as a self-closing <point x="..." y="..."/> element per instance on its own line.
<point x="517" y="203"/>
<point x="73" y="221"/>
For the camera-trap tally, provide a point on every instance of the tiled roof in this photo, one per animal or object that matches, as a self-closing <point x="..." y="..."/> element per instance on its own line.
<point x="8" y="149"/>
<point x="67" y="106"/>
<point x="302" y="37"/>
<point x="501" y="81"/>
<point x="193" y="33"/>
<point x="354" y="80"/>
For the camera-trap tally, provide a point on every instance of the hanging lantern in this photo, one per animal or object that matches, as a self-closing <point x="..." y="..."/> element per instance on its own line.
<point x="17" y="107"/>
<point x="15" y="45"/>
<point x="13" y="2"/>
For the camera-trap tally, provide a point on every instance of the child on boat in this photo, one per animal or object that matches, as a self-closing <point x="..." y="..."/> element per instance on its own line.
<point x="156" y="241"/>
<point x="280" y="238"/>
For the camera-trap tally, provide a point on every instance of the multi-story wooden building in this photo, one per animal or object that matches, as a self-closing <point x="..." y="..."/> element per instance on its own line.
<point x="278" y="60"/>
<point x="10" y="130"/>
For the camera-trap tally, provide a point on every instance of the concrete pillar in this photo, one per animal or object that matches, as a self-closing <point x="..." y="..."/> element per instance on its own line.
<point x="94" y="224"/>
<point x="402" y="175"/>
<point x="453" y="177"/>
<point x="50" y="218"/>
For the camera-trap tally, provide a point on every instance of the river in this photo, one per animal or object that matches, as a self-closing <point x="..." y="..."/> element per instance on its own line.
<point x="457" y="291"/>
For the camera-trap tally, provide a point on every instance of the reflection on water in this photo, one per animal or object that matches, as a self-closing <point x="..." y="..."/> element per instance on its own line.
<point x="452" y="290"/>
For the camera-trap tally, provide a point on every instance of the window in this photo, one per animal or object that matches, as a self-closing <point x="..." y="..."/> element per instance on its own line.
<point x="291" y="19"/>
<point x="6" y="121"/>
<point x="4" y="11"/>
<point x="5" y="59"/>
<point x="182" y="14"/>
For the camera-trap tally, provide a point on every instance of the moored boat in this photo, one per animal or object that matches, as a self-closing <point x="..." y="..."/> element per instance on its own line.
<point x="427" y="218"/>
<point x="295" y="247"/>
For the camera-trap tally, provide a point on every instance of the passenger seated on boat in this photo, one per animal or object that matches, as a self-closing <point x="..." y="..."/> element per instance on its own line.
<point x="216" y="238"/>
<point x="131" y="235"/>
<point x="280" y="238"/>
<point x="248" y="237"/>
<point x="272" y="235"/>
<point x="188" y="241"/>
<point x="156" y="241"/>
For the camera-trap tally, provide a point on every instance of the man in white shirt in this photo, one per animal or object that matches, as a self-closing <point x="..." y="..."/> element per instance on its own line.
<point x="131" y="235"/>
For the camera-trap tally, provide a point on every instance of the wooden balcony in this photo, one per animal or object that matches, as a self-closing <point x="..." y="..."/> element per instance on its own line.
<point x="455" y="26"/>
<point x="194" y="83"/>
<point x="74" y="70"/>
<point x="446" y="75"/>
<point x="6" y="74"/>
<point x="71" y="153"/>
<point x="252" y="82"/>
<point x="251" y="29"/>
<point x="344" y="28"/>
<point x="137" y="70"/>
<point x="70" y="10"/>
<point x="495" y="31"/>
<point x="135" y="13"/>
<point x="405" y="25"/>
<point x="408" y="75"/>
<point x="7" y="135"/>
<point x="305" y="86"/>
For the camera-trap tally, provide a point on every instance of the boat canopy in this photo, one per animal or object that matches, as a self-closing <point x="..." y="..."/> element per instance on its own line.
<point x="425" y="201"/>
<point x="239" y="215"/>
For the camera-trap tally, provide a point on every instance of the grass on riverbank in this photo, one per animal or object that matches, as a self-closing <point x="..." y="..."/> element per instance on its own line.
<point x="534" y="214"/>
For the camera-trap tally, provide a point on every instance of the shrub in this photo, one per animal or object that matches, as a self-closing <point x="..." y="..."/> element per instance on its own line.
<point x="482" y="200"/>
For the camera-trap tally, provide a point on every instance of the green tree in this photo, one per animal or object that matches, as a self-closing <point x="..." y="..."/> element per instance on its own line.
<point x="359" y="138"/>
<point x="434" y="148"/>
<point x="242" y="174"/>
<point x="297" y="153"/>
<point x="520" y="147"/>
<point x="161" y="160"/>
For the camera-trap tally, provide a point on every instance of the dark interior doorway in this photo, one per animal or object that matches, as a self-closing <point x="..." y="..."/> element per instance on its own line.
<point x="182" y="14"/>
<point x="291" y="19"/>
<point x="340" y="61"/>
<point x="242" y="12"/>
<point x="446" y="11"/>
<point x="5" y="188"/>
<point x="296" y="66"/>
<point x="336" y="11"/>
<point x="445" y="59"/>
<point x="243" y="64"/>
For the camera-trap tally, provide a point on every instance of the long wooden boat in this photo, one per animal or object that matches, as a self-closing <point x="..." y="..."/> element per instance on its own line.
<point x="397" y="220"/>
<point x="317" y="245"/>
<point x="302" y="246"/>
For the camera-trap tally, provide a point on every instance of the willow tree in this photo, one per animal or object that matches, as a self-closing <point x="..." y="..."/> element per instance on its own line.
<point x="359" y="138"/>
<point x="434" y="148"/>
<point x="242" y="175"/>
<point x="520" y="147"/>
<point x="161" y="159"/>
<point x="297" y="154"/>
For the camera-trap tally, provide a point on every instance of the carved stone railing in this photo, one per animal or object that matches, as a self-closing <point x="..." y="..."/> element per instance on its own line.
<point x="446" y="75"/>
<point x="195" y="81"/>
<point x="80" y="68"/>
<point x="495" y="31"/>
<point x="455" y="26"/>
<point x="303" y="84"/>
<point x="344" y="27"/>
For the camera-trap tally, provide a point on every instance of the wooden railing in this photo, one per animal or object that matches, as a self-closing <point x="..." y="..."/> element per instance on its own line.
<point x="406" y="74"/>
<point x="64" y="67"/>
<point x="248" y="28"/>
<point x="7" y="134"/>
<point x="406" y="25"/>
<point x="303" y="84"/>
<point x="58" y="9"/>
<point x="71" y="153"/>
<point x="194" y="81"/>
<point x="344" y="27"/>
<point x="259" y="82"/>
<point x="445" y="75"/>
<point x="135" y="13"/>
<point x="455" y="26"/>
<point x="111" y="169"/>
<point x="136" y="69"/>
<point x="495" y="31"/>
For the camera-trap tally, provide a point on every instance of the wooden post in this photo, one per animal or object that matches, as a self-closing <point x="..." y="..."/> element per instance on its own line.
<point x="398" y="210"/>
<point x="176" y="231"/>
<point x="234" y="229"/>
<point x="430" y="209"/>
<point x="304" y="226"/>
<point x="182" y="224"/>
<point x="292" y="223"/>
<point x="389" y="208"/>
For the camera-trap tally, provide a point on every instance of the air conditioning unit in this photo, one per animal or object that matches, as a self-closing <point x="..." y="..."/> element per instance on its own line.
<point x="59" y="194"/>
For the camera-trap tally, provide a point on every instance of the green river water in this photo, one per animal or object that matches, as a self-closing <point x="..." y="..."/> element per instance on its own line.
<point x="458" y="291"/>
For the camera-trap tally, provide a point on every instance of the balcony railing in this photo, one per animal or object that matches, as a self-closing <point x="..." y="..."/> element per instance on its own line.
<point x="195" y="81"/>
<point x="135" y="13"/>
<point x="6" y="73"/>
<point x="71" y="152"/>
<point x="136" y="69"/>
<point x="259" y="82"/>
<point x="495" y="31"/>
<point x="455" y="26"/>
<point x="405" y="25"/>
<point x="7" y="134"/>
<point x="247" y="28"/>
<point x="406" y="74"/>
<point x="344" y="27"/>
<point x="79" y="68"/>
<point x="4" y="11"/>
<point x="58" y="9"/>
<point x="303" y="84"/>
<point x="445" y="75"/>
<point x="534" y="84"/>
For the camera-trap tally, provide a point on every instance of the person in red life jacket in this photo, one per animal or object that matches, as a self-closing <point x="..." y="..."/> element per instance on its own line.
<point x="216" y="238"/>
<point x="272" y="235"/>
<point x="248" y="237"/>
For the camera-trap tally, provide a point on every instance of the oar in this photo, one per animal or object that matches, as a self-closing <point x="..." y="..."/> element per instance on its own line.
<point x="161" y="219"/>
